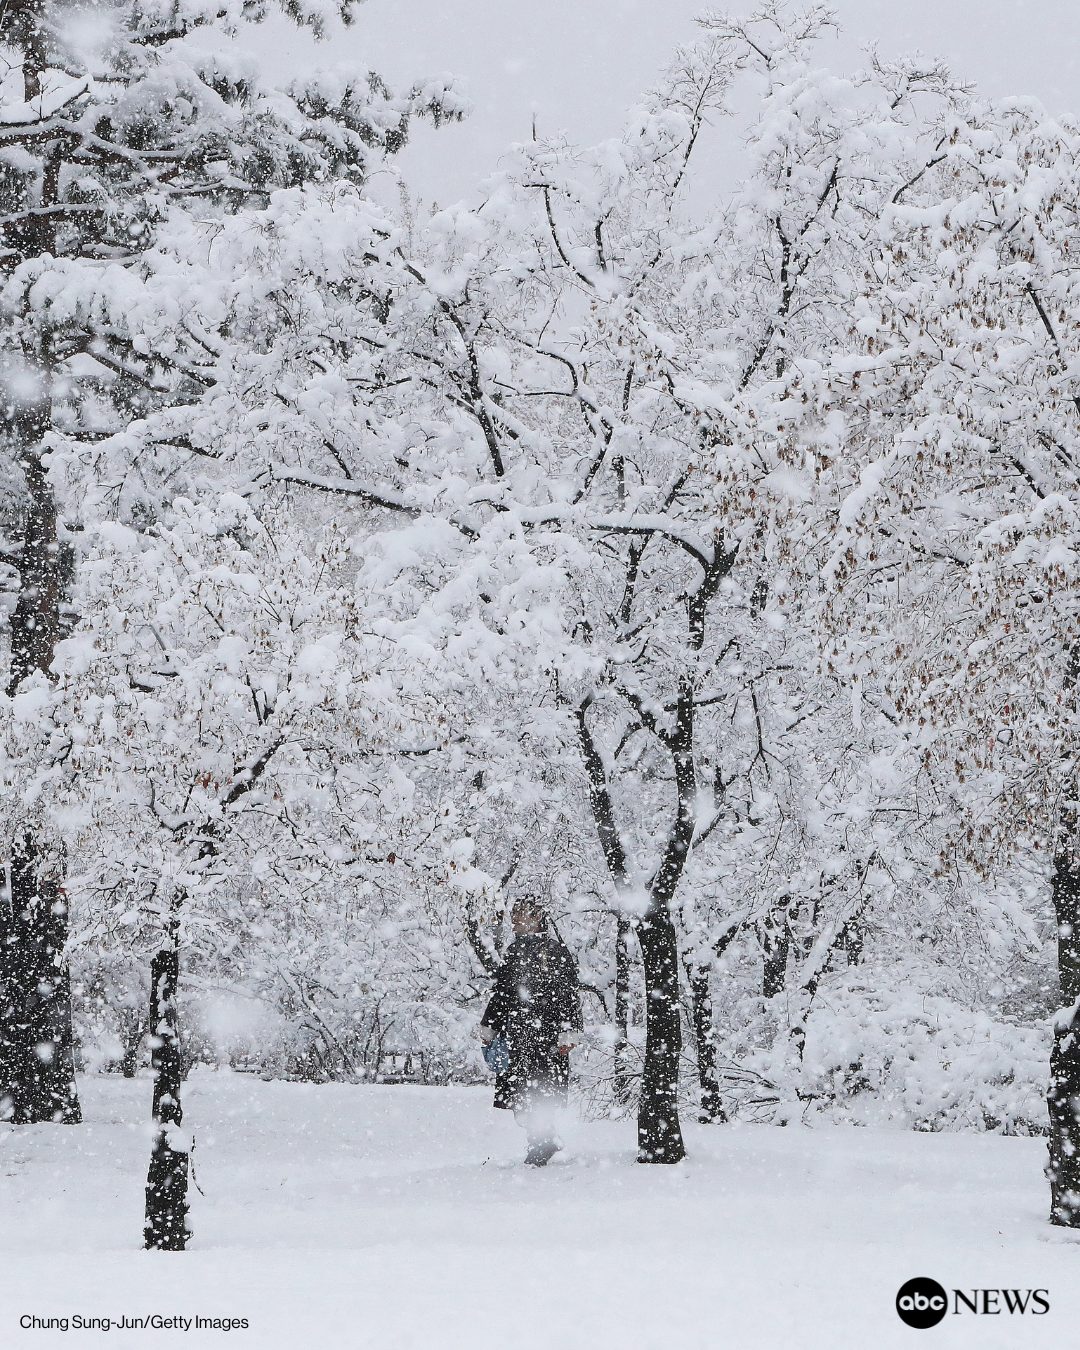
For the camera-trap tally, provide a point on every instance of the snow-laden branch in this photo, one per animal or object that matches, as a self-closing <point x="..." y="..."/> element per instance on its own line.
<point x="33" y="114"/>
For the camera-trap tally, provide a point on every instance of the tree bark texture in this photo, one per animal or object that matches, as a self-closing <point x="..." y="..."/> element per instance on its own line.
<point x="35" y="621"/>
<point x="37" y="1069"/>
<point x="1063" y="1095"/>
<point x="622" y="1073"/>
<point x="659" y="1132"/>
<point x="37" y="1074"/>
<point x="775" y="946"/>
<point x="711" y="1105"/>
<point x="166" y="1227"/>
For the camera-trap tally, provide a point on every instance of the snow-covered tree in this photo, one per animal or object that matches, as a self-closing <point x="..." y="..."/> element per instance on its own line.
<point x="592" y="436"/>
<point x="956" y="546"/>
<point x="232" y="726"/>
<point x="114" y="131"/>
<point x="662" y="554"/>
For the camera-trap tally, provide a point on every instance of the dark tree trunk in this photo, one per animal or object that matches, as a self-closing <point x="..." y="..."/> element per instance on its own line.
<point x="712" y="1108"/>
<point x="807" y="994"/>
<point x="132" y="1030"/>
<point x="35" y="621"/>
<point x="622" y="1011"/>
<point x="811" y="980"/>
<point x="851" y="941"/>
<point x="37" y="1057"/>
<point x="37" y="1081"/>
<point x="659" y="1132"/>
<point x="9" y="1006"/>
<point x="775" y="946"/>
<point x="167" y="1179"/>
<point x="37" y="1071"/>
<point x="1063" y="1095"/>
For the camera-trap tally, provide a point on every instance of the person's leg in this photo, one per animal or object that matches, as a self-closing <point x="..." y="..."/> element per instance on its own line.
<point x="538" y="1120"/>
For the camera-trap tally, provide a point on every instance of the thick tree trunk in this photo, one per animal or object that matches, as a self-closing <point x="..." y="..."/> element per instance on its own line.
<point x="1063" y="1095"/>
<point x="711" y="1107"/>
<point x="35" y="621"/>
<point x="37" y="1059"/>
<point x="659" y="1132"/>
<point x="37" y="1072"/>
<point x="622" y="1011"/>
<point x="167" y="1179"/>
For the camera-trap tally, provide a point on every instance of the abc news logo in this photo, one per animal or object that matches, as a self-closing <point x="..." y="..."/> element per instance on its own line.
<point x="923" y="1302"/>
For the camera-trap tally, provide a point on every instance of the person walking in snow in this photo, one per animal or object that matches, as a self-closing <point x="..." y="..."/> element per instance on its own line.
<point x="535" y="1008"/>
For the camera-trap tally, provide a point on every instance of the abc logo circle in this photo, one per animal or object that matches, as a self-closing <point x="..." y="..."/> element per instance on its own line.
<point x="922" y="1302"/>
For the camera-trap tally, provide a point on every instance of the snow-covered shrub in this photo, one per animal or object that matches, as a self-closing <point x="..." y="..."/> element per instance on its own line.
<point x="343" y="1027"/>
<point x="886" y="1047"/>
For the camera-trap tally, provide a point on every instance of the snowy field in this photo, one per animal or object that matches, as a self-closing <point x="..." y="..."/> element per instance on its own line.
<point x="402" y="1217"/>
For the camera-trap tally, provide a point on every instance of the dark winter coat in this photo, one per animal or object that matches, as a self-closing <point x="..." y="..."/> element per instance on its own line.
<point x="534" y="1001"/>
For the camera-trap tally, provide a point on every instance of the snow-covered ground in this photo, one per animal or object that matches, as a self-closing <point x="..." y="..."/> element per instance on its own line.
<point x="389" y="1217"/>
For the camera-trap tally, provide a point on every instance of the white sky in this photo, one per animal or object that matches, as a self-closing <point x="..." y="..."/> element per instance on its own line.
<point x="581" y="63"/>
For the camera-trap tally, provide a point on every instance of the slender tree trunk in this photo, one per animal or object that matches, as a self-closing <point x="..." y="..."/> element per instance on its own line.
<point x="712" y="1108"/>
<point x="132" y="1030"/>
<point x="659" y="1132"/>
<point x="806" y="995"/>
<point x="775" y="945"/>
<point x="9" y="1006"/>
<point x="167" y="1179"/>
<point x="1063" y="1096"/>
<point x="699" y="977"/>
<point x="852" y="940"/>
<point x="622" y="1010"/>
